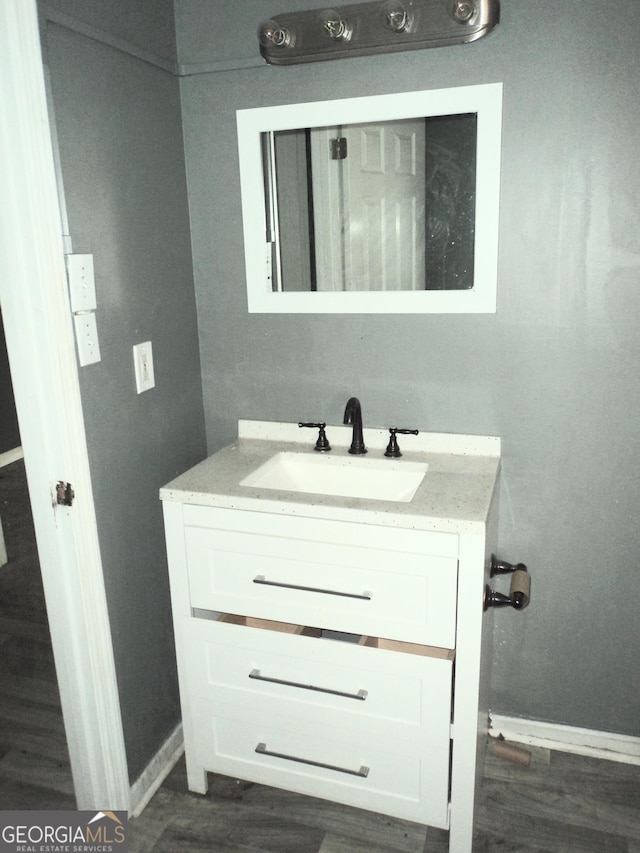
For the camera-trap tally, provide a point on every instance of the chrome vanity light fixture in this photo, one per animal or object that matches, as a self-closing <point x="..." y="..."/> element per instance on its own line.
<point x="376" y="27"/>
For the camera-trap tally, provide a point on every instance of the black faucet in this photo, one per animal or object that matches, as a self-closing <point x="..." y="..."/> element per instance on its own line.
<point x="353" y="415"/>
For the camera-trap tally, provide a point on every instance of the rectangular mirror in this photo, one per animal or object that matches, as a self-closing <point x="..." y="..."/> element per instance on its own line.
<point x="384" y="204"/>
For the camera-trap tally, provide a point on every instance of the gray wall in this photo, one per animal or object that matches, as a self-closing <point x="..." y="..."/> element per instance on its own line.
<point x="147" y="24"/>
<point x="119" y="130"/>
<point x="554" y="372"/>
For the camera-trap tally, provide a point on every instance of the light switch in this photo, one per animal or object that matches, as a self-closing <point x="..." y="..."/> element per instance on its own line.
<point x="143" y="366"/>
<point x="82" y="286"/>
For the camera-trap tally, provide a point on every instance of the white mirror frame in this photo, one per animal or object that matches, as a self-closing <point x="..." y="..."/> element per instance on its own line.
<point x="485" y="100"/>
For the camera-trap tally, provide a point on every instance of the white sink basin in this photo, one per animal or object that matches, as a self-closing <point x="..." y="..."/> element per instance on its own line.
<point x="352" y="477"/>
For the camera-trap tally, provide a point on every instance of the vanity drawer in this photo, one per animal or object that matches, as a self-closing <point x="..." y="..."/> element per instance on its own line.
<point x="360" y="588"/>
<point x="391" y="779"/>
<point x="267" y="673"/>
<point x="398" y="770"/>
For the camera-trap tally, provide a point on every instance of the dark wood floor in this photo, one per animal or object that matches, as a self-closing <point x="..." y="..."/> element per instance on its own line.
<point x="558" y="804"/>
<point x="34" y="761"/>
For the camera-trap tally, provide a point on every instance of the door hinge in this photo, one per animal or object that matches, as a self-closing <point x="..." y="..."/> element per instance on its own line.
<point x="339" y="148"/>
<point x="64" y="493"/>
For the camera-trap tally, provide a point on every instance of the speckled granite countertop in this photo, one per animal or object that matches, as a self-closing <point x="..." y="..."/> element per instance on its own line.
<point x="453" y="497"/>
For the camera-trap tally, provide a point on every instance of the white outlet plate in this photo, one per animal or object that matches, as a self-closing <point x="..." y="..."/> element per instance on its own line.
<point x="143" y="366"/>
<point x="82" y="286"/>
<point x="87" y="338"/>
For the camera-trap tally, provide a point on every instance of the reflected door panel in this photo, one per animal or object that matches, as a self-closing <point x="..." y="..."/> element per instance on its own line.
<point x="384" y="206"/>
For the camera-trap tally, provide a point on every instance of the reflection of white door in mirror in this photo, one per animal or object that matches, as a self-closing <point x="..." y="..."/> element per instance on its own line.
<point x="382" y="204"/>
<point x="368" y="206"/>
<point x="384" y="190"/>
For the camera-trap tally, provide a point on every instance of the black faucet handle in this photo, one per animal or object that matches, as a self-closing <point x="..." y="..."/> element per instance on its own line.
<point x="322" y="443"/>
<point x="393" y="449"/>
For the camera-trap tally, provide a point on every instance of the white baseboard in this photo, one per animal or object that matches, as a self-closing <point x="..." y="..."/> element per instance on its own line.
<point x="612" y="747"/>
<point x="156" y="772"/>
<point x="10" y="456"/>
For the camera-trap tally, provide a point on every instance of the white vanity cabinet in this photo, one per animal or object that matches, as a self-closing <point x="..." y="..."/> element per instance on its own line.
<point x="332" y="656"/>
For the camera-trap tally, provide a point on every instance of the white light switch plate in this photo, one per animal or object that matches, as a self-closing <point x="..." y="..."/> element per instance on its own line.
<point x="87" y="338"/>
<point x="82" y="286"/>
<point x="143" y="365"/>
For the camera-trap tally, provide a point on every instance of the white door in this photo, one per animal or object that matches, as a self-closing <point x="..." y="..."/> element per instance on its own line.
<point x="33" y="292"/>
<point x="370" y="221"/>
<point x="384" y="206"/>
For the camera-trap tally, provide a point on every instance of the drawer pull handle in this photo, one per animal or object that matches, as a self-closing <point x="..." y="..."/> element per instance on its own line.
<point x="365" y="596"/>
<point x="262" y="749"/>
<point x="256" y="674"/>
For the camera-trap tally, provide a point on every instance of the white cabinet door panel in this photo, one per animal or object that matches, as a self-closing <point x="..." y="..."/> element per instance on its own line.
<point x="321" y="740"/>
<point x="342" y="765"/>
<point x="404" y="596"/>
<point x="276" y="673"/>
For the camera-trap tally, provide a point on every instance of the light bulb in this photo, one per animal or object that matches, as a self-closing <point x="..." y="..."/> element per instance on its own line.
<point x="335" y="27"/>
<point x="396" y="17"/>
<point x="273" y="34"/>
<point x="463" y="11"/>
